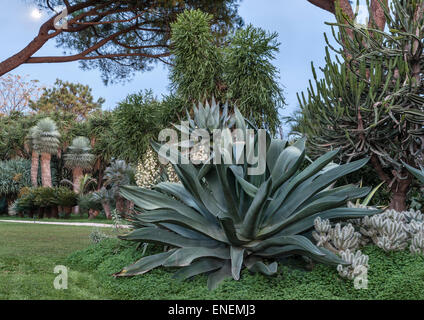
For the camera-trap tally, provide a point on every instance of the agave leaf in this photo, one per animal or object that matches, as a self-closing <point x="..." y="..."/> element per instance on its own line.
<point x="310" y="171"/>
<point x="198" y="267"/>
<point x="178" y="191"/>
<point x="220" y="275"/>
<point x="371" y="194"/>
<point x="275" y="149"/>
<point x="152" y="200"/>
<point x="288" y="162"/>
<point x="350" y="192"/>
<point x="252" y="217"/>
<point x="236" y="254"/>
<point x="231" y="232"/>
<point x="260" y="267"/>
<point x="247" y="187"/>
<point x="183" y="231"/>
<point x="229" y="194"/>
<point x="318" y="205"/>
<point x="204" y="170"/>
<point x="184" y="256"/>
<point x="160" y="236"/>
<point x="145" y="264"/>
<point x="338" y="213"/>
<point x="169" y="216"/>
<point x="300" y="241"/>
<point x="310" y="187"/>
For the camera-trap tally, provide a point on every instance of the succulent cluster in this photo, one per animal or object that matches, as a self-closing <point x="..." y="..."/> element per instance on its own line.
<point x="389" y="230"/>
<point x="344" y="241"/>
<point x="394" y="231"/>
<point x="335" y="238"/>
<point x="357" y="264"/>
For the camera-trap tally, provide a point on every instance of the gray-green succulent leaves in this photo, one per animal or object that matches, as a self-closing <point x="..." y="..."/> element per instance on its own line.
<point x="219" y="219"/>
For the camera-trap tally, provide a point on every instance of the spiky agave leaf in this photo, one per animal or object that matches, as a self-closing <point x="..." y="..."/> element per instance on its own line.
<point x="220" y="219"/>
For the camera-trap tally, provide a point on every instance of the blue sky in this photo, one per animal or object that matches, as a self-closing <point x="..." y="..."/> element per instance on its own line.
<point x="299" y="24"/>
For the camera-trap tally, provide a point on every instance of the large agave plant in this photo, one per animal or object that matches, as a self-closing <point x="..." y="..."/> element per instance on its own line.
<point x="220" y="220"/>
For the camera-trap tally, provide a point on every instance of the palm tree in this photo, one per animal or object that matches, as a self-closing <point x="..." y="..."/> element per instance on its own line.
<point x="45" y="139"/>
<point x="79" y="158"/>
<point x="118" y="174"/>
<point x="35" y="156"/>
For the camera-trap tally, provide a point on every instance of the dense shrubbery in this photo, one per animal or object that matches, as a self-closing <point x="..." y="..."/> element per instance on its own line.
<point x="45" y="202"/>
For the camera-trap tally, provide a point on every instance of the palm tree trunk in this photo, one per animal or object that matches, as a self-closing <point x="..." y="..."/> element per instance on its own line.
<point x="34" y="168"/>
<point x="106" y="208"/>
<point x="46" y="175"/>
<point x="120" y="204"/>
<point x="77" y="175"/>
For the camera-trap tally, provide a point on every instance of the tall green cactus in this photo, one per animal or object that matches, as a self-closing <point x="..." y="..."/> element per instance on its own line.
<point x="371" y="103"/>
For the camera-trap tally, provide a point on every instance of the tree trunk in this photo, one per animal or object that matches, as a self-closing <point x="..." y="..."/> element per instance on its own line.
<point x="106" y="208"/>
<point x="34" y="168"/>
<point x="399" y="192"/>
<point x="46" y="175"/>
<point x="67" y="211"/>
<point x="54" y="213"/>
<point x="120" y="204"/>
<point x="77" y="175"/>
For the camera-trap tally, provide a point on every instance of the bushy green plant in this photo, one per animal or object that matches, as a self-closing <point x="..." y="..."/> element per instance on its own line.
<point x="238" y="70"/>
<point x="136" y="120"/>
<point x="65" y="197"/>
<point x="44" y="197"/>
<point x="87" y="202"/>
<point x="25" y="203"/>
<point x="220" y="219"/>
<point x="14" y="175"/>
<point x="198" y="63"/>
<point x="252" y="80"/>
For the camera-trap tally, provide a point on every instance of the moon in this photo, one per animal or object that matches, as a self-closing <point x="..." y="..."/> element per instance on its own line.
<point x="36" y="14"/>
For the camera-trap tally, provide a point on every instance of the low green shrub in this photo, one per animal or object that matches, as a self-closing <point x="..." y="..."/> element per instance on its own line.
<point x="65" y="197"/>
<point x="32" y="199"/>
<point x="87" y="202"/>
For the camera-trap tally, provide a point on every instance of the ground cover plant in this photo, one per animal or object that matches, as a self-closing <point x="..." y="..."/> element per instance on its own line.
<point x="394" y="275"/>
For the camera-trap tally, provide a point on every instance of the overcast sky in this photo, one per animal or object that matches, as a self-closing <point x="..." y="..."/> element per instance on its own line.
<point x="299" y="24"/>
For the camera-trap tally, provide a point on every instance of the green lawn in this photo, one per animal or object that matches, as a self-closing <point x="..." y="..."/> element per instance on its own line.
<point x="73" y="218"/>
<point x="29" y="253"/>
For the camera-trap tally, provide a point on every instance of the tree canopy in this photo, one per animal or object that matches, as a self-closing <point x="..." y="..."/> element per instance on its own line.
<point x="73" y="98"/>
<point x="118" y="37"/>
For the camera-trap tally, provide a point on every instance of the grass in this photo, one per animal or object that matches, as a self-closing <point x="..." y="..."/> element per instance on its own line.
<point x="72" y="218"/>
<point x="29" y="253"/>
